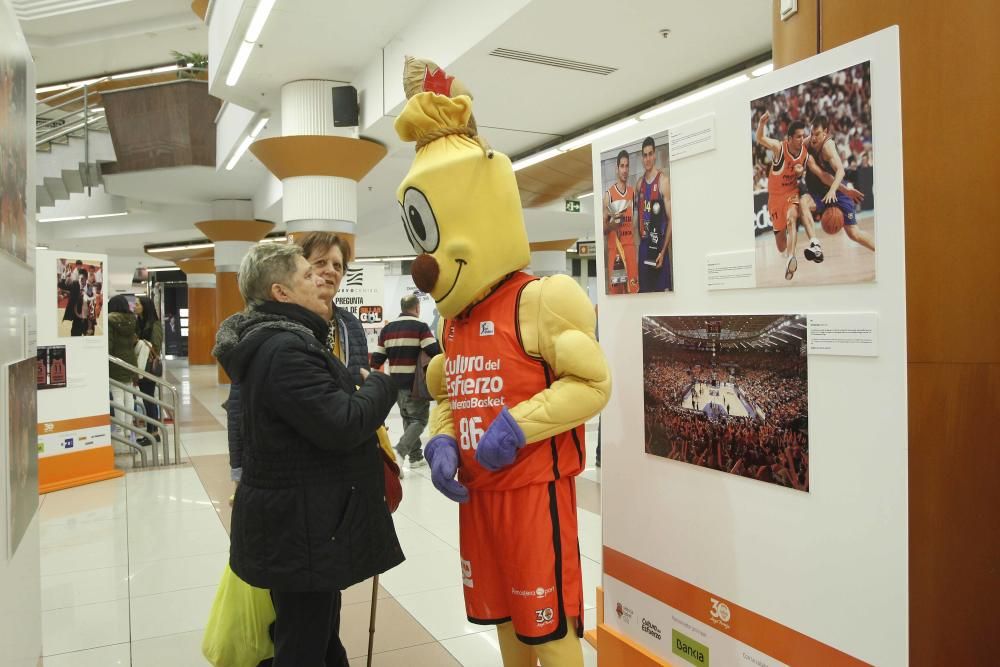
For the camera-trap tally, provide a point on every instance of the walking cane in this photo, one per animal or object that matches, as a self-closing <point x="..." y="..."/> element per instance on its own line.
<point x="371" y="624"/>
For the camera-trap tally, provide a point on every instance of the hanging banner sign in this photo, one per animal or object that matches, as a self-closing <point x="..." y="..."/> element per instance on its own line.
<point x="362" y="293"/>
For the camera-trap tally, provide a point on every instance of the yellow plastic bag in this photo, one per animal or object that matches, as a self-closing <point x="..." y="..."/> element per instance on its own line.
<point x="236" y="634"/>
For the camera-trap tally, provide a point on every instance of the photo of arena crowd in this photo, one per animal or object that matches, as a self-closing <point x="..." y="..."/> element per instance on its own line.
<point x="729" y="392"/>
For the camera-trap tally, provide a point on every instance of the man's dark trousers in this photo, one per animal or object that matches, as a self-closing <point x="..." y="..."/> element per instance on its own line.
<point x="414" y="412"/>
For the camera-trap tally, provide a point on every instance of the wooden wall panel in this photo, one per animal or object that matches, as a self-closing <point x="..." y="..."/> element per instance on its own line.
<point x="228" y="301"/>
<point x="949" y="59"/>
<point x="954" y="535"/>
<point x="797" y="37"/>
<point x="162" y="125"/>
<point x="950" y="56"/>
<point x="201" y="325"/>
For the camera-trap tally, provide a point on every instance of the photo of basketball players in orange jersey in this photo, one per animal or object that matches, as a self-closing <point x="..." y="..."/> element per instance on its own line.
<point x="637" y="218"/>
<point x="813" y="169"/>
<point x="622" y="275"/>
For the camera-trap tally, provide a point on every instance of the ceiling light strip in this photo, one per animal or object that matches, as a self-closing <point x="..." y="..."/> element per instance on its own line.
<point x="695" y="96"/>
<point x="712" y="88"/>
<point x="82" y="217"/>
<point x="250" y="38"/>
<point x="259" y="124"/>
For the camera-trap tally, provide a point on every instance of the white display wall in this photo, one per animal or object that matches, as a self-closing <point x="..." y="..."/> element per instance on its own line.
<point x="752" y="563"/>
<point x="20" y="588"/>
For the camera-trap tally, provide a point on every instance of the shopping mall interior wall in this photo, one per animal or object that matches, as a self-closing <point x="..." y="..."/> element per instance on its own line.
<point x="20" y="590"/>
<point x="830" y="562"/>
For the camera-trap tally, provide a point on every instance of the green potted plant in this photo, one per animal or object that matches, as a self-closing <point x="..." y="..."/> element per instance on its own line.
<point x="198" y="64"/>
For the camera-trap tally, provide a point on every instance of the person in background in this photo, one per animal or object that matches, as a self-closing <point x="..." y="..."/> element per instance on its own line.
<point x="150" y="329"/>
<point x="310" y="518"/>
<point x="72" y="281"/>
<point x="401" y="342"/>
<point x="121" y="344"/>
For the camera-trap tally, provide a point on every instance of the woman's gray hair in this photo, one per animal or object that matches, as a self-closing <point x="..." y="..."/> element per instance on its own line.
<point x="265" y="265"/>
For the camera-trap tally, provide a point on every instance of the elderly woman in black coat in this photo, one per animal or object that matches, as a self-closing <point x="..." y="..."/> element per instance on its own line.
<point x="309" y="518"/>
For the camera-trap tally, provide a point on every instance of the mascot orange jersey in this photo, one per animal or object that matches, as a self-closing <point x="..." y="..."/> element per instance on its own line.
<point x="520" y="373"/>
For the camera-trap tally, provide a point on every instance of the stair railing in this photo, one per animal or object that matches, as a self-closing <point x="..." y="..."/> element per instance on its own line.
<point x="170" y="406"/>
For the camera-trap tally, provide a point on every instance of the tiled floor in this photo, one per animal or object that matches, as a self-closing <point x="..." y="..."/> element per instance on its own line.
<point x="130" y="566"/>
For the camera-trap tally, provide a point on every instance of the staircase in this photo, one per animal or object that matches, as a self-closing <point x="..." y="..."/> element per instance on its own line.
<point x="71" y="141"/>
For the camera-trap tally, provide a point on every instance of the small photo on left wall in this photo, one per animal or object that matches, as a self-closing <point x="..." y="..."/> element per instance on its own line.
<point x="22" y="450"/>
<point x="79" y="297"/>
<point x="13" y="146"/>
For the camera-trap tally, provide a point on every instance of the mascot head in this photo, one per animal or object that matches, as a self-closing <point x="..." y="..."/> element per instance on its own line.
<point x="460" y="203"/>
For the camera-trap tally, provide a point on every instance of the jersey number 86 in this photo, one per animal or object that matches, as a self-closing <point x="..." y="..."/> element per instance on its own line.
<point x="470" y="431"/>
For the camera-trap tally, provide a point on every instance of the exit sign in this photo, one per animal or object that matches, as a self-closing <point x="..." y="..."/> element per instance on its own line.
<point x="572" y="205"/>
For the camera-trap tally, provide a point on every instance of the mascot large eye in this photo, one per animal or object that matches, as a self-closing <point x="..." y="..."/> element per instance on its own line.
<point x="418" y="218"/>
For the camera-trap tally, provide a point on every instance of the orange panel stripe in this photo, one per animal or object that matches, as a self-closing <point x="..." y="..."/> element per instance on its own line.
<point x="615" y="650"/>
<point x="778" y="641"/>
<point x="314" y="155"/>
<point x="82" y="467"/>
<point x="45" y="428"/>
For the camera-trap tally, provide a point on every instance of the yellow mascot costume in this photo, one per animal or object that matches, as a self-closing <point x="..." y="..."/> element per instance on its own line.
<point x="520" y="373"/>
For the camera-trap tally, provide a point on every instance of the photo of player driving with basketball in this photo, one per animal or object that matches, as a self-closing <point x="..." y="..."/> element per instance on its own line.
<point x="813" y="160"/>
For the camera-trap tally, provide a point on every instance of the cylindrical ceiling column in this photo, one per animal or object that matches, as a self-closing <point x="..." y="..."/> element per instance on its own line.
<point x="201" y="308"/>
<point x="233" y="237"/>
<point x="318" y="163"/>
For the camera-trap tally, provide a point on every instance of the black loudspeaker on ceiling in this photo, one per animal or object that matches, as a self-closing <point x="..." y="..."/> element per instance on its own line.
<point x="345" y="106"/>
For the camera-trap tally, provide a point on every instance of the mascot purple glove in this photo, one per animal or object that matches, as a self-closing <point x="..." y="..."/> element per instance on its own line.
<point x="442" y="453"/>
<point x="499" y="445"/>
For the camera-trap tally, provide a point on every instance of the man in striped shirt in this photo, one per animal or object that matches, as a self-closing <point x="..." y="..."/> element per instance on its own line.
<point x="401" y="342"/>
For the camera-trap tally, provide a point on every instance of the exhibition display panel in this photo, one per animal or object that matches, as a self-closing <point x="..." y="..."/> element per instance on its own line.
<point x="71" y="369"/>
<point x="754" y="484"/>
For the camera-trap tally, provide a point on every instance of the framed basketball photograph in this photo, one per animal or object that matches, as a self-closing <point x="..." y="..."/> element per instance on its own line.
<point x="813" y="160"/>
<point x="79" y="297"/>
<point x="636" y="216"/>
<point x="729" y="393"/>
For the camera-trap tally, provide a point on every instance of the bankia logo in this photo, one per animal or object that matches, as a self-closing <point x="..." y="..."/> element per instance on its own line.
<point x="720" y="614"/>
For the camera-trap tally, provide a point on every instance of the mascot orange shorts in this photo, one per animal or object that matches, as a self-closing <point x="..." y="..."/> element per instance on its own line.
<point x="521" y="559"/>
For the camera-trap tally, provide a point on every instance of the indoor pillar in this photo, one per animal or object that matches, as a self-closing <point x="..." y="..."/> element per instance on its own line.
<point x="201" y="308"/>
<point x="318" y="162"/>
<point x="232" y="237"/>
<point x="948" y="55"/>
